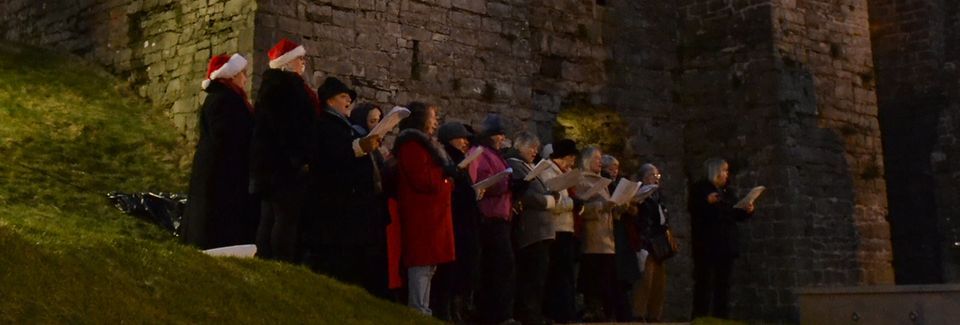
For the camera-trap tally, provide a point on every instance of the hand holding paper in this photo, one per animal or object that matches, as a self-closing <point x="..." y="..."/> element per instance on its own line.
<point x="752" y="196"/>
<point x="390" y="121"/>
<point x="370" y="143"/>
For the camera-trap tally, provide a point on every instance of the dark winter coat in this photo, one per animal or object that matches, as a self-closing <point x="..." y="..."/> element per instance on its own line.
<point x="625" y="231"/>
<point x="714" y="226"/>
<point x="424" y="193"/>
<point x="344" y="208"/>
<point x="466" y="213"/>
<point x="220" y="212"/>
<point x="284" y="135"/>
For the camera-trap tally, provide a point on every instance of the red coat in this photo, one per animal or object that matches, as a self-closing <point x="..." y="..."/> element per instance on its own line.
<point x="423" y="200"/>
<point x="394" y="246"/>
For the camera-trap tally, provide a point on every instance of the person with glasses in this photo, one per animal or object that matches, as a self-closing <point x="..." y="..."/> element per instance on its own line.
<point x="653" y="222"/>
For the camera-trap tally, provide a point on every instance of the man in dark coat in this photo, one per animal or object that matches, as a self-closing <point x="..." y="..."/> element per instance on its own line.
<point x="282" y="141"/>
<point x="220" y="211"/>
<point x="345" y="229"/>
<point x="714" y="234"/>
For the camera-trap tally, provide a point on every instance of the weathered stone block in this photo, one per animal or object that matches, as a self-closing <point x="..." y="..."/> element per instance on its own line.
<point x="479" y="7"/>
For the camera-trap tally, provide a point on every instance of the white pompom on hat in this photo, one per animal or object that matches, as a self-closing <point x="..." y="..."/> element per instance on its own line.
<point x="223" y="66"/>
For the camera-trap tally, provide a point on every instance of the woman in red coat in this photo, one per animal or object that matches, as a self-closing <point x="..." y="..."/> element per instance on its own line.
<point x="423" y="198"/>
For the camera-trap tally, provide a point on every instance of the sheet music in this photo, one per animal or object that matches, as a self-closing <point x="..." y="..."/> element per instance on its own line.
<point x="492" y="180"/>
<point x="390" y="121"/>
<point x="625" y="191"/>
<point x="645" y="191"/>
<point x="596" y="188"/>
<point x="539" y="168"/>
<point x="565" y="181"/>
<point x="471" y="156"/>
<point x="752" y="196"/>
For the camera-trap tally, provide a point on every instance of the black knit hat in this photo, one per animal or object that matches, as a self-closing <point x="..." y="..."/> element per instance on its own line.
<point x="564" y="148"/>
<point x="332" y="87"/>
<point x="492" y="125"/>
<point x="452" y="130"/>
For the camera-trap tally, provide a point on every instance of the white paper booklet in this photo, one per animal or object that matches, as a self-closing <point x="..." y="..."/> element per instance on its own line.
<point x="472" y="155"/>
<point x="625" y="191"/>
<point x="596" y="188"/>
<point x="752" y="196"/>
<point x="539" y="168"/>
<point x="645" y="191"/>
<point x="390" y="121"/>
<point x="492" y="180"/>
<point x="567" y="180"/>
<point x="233" y="251"/>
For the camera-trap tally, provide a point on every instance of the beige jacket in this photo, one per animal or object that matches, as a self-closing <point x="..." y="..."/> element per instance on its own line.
<point x="597" y="218"/>
<point x="563" y="213"/>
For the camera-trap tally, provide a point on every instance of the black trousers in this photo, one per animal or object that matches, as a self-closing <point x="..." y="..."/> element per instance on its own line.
<point x="711" y="287"/>
<point x="454" y="283"/>
<point x="560" y="304"/>
<point x="363" y="265"/>
<point x="598" y="274"/>
<point x="533" y="265"/>
<point x="495" y="297"/>
<point x="281" y="212"/>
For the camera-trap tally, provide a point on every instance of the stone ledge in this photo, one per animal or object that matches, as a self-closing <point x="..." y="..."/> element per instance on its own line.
<point x="883" y="289"/>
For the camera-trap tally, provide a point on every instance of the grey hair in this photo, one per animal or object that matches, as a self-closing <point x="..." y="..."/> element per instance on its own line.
<point x="607" y="160"/>
<point x="713" y="167"/>
<point x="526" y="139"/>
<point x="646" y="169"/>
<point x="585" y="156"/>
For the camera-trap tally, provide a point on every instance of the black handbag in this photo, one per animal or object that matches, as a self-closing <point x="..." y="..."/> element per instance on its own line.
<point x="663" y="246"/>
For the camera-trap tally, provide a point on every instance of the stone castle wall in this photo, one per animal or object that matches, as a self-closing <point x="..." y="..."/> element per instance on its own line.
<point x="784" y="90"/>
<point x="916" y="47"/>
<point x="159" y="47"/>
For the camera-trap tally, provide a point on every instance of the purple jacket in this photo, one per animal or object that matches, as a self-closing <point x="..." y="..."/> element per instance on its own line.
<point x="496" y="200"/>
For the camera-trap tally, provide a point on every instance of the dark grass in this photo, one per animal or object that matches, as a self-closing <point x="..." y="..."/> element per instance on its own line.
<point x="69" y="133"/>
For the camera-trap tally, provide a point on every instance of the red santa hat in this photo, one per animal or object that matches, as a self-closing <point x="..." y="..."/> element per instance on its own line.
<point x="284" y="52"/>
<point x="223" y="66"/>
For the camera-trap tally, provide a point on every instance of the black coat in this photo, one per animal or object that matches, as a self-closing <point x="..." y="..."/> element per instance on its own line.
<point x="466" y="213"/>
<point x="284" y="134"/>
<point x="344" y="206"/>
<point x="714" y="226"/>
<point x="628" y="269"/>
<point x="220" y="212"/>
<point x="648" y="221"/>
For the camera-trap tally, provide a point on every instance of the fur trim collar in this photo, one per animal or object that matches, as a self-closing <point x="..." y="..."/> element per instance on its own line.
<point x="436" y="150"/>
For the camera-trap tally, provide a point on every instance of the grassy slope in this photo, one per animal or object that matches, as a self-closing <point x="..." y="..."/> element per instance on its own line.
<point x="68" y="135"/>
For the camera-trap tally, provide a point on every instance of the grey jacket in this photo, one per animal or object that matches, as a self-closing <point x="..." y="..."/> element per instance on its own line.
<point x="538" y="207"/>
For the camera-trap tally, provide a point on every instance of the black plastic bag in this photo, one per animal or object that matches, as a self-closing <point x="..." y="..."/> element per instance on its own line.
<point x="162" y="209"/>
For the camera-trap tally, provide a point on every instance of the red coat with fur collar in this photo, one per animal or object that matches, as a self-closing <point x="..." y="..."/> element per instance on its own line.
<point x="423" y="200"/>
